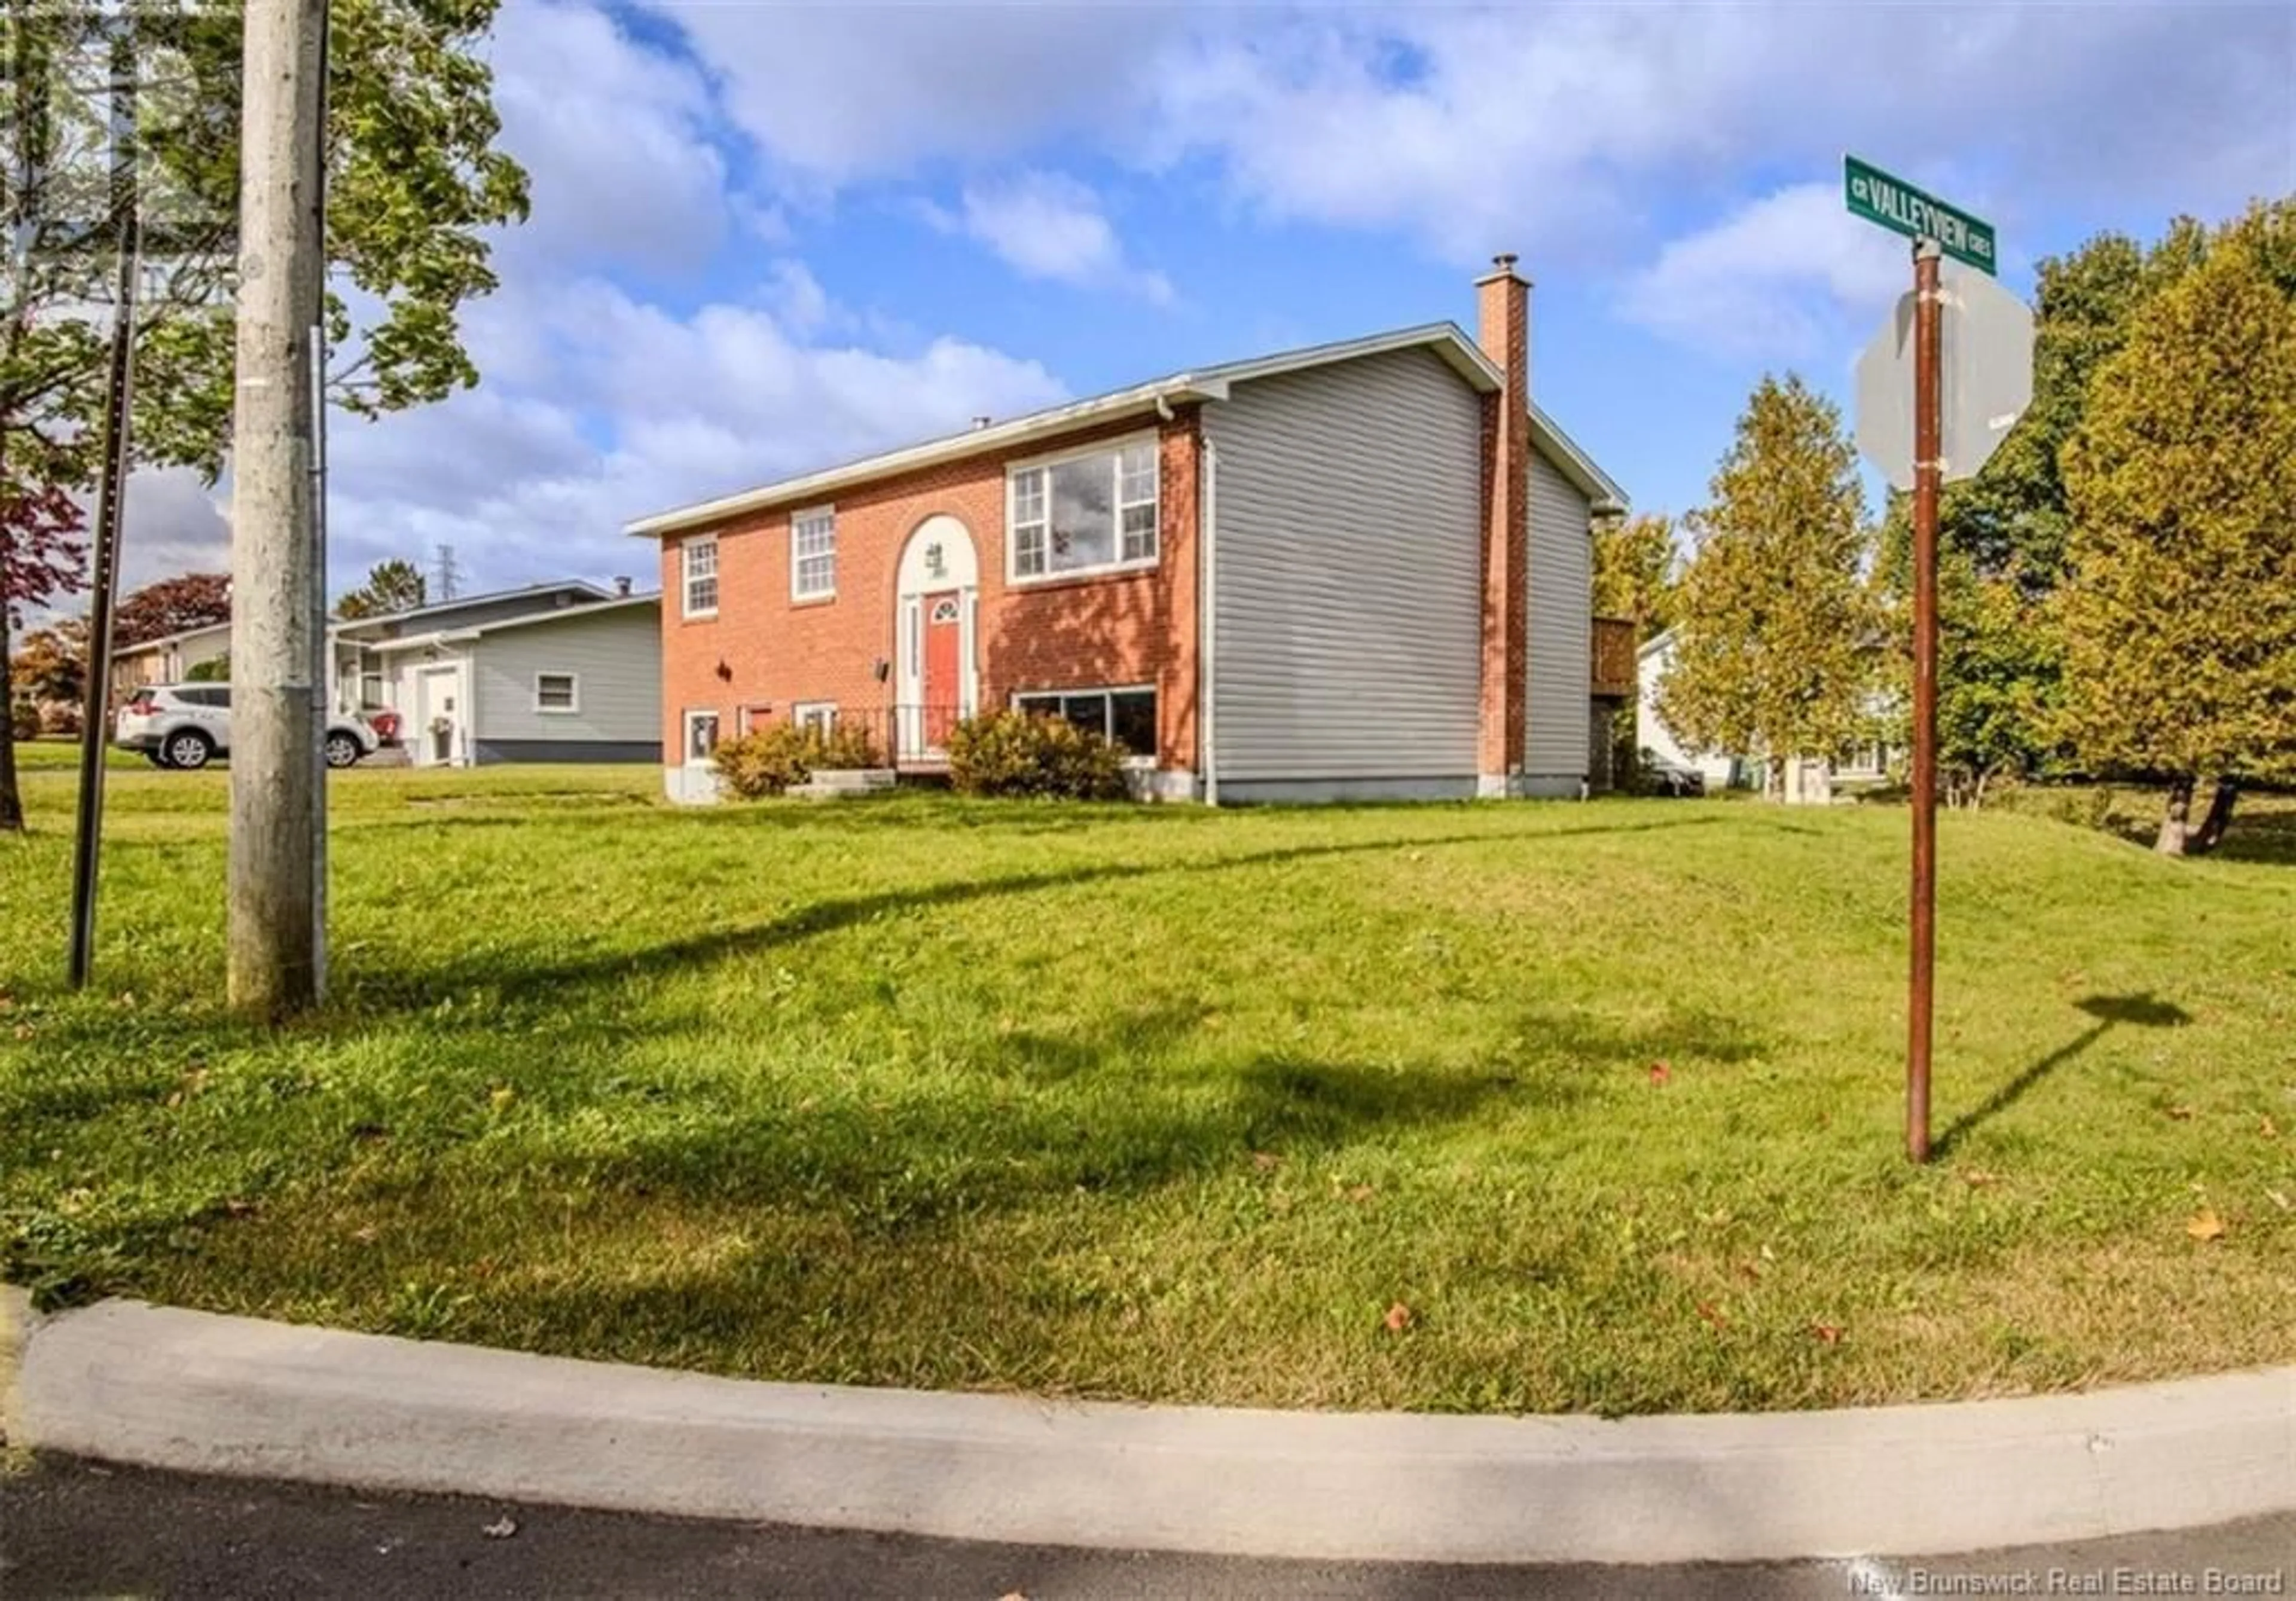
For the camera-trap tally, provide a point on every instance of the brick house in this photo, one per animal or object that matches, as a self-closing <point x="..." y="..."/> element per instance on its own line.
<point x="1356" y="570"/>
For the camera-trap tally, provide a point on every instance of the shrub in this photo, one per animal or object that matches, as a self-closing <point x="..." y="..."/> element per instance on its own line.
<point x="60" y="718"/>
<point x="770" y="760"/>
<point x="24" y="719"/>
<point x="1014" y="754"/>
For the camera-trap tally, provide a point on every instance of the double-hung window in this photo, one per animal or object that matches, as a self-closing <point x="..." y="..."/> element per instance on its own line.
<point x="1091" y="511"/>
<point x="1126" y="717"/>
<point x="700" y="569"/>
<point x="820" y="717"/>
<point x="813" y="554"/>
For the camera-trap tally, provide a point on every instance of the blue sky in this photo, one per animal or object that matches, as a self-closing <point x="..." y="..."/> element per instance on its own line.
<point x="767" y="237"/>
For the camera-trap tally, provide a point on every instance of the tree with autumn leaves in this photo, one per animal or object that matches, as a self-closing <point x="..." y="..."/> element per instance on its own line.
<point x="1775" y="638"/>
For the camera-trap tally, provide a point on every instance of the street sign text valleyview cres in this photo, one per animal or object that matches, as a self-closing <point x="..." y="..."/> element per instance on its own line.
<point x="1877" y="197"/>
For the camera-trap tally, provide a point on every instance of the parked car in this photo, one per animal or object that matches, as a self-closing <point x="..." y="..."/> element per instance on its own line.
<point x="1673" y="778"/>
<point x="189" y="725"/>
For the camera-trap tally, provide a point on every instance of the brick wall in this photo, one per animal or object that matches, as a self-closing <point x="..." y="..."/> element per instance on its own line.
<point x="763" y="650"/>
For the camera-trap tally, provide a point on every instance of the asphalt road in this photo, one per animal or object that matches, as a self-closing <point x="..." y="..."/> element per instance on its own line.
<point x="70" y="1528"/>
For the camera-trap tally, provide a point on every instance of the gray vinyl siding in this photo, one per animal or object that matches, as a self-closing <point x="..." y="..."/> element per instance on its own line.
<point x="492" y="752"/>
<point x="616" y="657"/>
<point x="1561" y="616"/>
<point x="1347" y="570"/>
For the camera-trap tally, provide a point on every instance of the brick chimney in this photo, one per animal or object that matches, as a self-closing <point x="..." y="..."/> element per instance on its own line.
<point x="1503" y="330"/>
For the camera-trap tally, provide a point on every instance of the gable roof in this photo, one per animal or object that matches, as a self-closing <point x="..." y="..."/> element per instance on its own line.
<point x="491" y="597"/>
<point x="159" y="640"/>
<point x="451" y="636"/>
<point x="1444" y="339"/>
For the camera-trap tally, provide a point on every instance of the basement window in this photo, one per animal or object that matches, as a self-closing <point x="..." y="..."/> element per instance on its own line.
<point x="1126" y="716"/>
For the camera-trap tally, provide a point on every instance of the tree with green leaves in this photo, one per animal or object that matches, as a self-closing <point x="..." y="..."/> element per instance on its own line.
<point x="1774" y="638"/>
<point x="1634" y="568"/>
<point x="394" y="585"/>
<point x="415" y="184"/>
<point x="2015" y="514"/>
<point x="2178" y="606"/>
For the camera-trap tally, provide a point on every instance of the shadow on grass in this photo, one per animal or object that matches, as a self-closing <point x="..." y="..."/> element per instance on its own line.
<point x="2111" y="1010"/>
<point x="514" y="981"/>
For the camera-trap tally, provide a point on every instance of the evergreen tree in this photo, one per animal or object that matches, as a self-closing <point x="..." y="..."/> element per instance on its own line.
<point x="2178" y="609"/>
<point x="1777" y="651"/>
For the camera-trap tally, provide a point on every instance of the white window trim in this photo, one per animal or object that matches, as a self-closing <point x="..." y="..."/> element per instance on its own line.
<point x="796" y="594"/>
<point x="685" y="722"/>
<point x="685" y="549"/>
<point x="573" y="707"/>
<point x="1130" y="760"/>
<point x="805" y="711"/>
<point x="1114" y="447"/>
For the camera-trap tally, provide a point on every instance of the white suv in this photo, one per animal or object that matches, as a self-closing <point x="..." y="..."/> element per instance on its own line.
<point x="189" y="725"/>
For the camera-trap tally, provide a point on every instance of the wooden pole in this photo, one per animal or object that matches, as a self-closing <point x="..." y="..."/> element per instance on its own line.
<point x="1928" y="471"/>
<point x="272" y="930"/>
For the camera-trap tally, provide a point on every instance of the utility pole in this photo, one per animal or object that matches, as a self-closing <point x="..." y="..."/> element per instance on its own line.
<point x="1929" y="473"/>
<point x="279" y="679"/>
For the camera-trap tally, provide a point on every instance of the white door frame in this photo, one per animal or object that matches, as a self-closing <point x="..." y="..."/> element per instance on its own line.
<point x="427" y="675"/>
<point x="937" y="558"/>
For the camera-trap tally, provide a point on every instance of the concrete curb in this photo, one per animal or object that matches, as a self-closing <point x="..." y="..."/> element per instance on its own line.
<point x="192" y="1391"/>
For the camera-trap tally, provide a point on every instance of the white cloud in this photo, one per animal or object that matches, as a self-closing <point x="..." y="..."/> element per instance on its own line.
<point x="1772" y="280"/>
<point x="1045" y="225"/>
<point x="837" y="94"/>
<point x="170" y="522"/>
<point x="1558" y="130"/>
<point x="640" y="409"/>
<point x="617" y="140"/>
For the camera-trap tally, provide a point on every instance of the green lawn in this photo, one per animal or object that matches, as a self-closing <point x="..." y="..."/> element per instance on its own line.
<point x="1165" y="1103"/>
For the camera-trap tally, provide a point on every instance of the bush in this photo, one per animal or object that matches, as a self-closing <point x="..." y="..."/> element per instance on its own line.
<point x="772" y="759"/>
<point x="24" y="719"/>
<point x="1014" y="754"/>
<point x="61" y="718"/>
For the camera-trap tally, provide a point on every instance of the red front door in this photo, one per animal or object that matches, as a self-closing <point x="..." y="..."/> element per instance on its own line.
<point x="944" y="667"/>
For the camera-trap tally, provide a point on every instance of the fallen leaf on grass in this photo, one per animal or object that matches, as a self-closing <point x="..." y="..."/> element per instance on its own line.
<point x="2205" y="1225"/>
<point x="503" y="1095"/>
<point x="2279" y="1199"/>
<point x="2178" y="1115"/>
<point x="1266" y="1162"/>
<point x="1826" y="1334"/>
<point x="503" y="1530"/>
<point x="1977" y="1179"/>
<point x="1398" y="1318"/>
<point x="1749" y="1272"/>
<point x="364" y="1234"/>
<point x="1362" y="1192"/>
<point x="2268" y="1127"/>
<point x="1713" y="1315"/>
<point x="1659" y="1073"/>
<point x="23" y="1030"/>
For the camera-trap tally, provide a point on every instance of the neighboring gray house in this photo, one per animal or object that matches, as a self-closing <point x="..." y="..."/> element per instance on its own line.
<point x="1362" y="570"/>
<point x="580" y="682"/>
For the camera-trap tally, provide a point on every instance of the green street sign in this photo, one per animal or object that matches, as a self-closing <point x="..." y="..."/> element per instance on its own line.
<point x="1894" y="203"/>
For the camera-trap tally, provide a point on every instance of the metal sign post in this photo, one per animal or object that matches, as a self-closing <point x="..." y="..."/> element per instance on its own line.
<point x="1964" y="402"/>
<point x="1927" y="470"/>
<point x="95" y="728"/>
